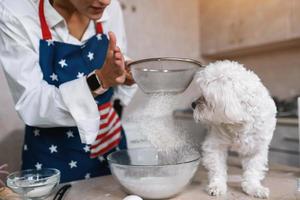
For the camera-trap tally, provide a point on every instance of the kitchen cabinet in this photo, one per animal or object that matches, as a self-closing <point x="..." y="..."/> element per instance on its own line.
<point x="159" y="28"/>
<point x="233" y="27"/>
<point x="284" y="148"/>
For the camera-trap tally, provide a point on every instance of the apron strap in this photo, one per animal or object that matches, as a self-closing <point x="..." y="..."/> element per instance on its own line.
<point x="45" y="28"/>
<point x="99" y="28"/>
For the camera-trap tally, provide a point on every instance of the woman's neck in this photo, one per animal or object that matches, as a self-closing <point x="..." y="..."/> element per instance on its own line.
<point x="76" y="21"/>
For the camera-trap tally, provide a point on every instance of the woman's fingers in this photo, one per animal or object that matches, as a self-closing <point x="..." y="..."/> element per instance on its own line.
<point x="3" y="166"/>
<point x="112" y="41"/>
<point x="3" y="172"/>
<point x="118" y="56"/>
<point x="119" y="62"/>
<point x="129" y="79"/>
<point x="121" y="79"/>
<point x="118" y="69"/>
<point x="117" y="49"/>
<point x="113" y="72"/>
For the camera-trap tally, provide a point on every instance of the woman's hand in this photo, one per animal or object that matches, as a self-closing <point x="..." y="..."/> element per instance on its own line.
<point x="3" y="172"/>
<point x="113" y="71"/>
<point x="129" y="79"/>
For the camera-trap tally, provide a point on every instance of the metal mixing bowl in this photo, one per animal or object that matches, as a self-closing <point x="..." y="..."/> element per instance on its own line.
<point x="167" y="75"/>
<point x="144" y="172"/>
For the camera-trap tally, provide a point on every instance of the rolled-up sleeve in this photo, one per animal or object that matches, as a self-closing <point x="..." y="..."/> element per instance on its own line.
<point x="37" y="102"/>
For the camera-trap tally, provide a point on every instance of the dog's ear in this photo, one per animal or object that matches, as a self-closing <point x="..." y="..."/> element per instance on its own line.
<point x="233" y="110"/>
<point x="192" y="93"/>
<point x="224" y="102"/>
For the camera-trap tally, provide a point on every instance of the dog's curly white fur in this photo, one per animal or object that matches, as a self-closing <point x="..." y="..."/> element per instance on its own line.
<point x="241" y="116"/>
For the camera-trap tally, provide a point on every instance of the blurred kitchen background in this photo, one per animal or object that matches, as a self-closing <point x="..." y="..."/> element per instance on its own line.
<point x="263" y="35"/>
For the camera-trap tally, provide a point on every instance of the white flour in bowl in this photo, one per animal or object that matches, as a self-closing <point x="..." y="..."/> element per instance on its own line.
<point x="155" y="187"/>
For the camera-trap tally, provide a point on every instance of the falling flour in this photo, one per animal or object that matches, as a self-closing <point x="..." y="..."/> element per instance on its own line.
<point x="157" y="124"/>
<point x="163" y="178"/>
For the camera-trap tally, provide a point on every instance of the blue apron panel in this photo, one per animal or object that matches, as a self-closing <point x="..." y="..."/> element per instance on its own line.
<point x="67" y="60"/>
<point x="61" y="148"/>
<point x="62" y="62"/>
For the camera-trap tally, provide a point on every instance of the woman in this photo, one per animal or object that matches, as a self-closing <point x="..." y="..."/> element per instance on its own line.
<point x="61" y="67"/>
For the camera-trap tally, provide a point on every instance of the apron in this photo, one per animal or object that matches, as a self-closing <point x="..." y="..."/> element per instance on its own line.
<point x="61" y="147"/>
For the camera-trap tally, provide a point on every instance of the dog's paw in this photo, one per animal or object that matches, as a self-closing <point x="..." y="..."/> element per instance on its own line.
<point x="256" y="190"/>
<point x="216" y="189"/>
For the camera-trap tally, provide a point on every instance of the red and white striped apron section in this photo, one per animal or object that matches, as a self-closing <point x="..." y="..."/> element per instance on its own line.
<point x="109" y="135"/>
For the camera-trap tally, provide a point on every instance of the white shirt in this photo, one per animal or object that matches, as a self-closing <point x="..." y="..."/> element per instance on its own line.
<point x="38" y="103"/>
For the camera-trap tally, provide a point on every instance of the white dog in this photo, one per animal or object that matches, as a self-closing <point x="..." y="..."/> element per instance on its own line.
<point x="240" y="114"/>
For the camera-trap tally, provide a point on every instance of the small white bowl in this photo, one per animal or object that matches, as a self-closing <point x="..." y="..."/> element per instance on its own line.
<point x="34" y="184"/>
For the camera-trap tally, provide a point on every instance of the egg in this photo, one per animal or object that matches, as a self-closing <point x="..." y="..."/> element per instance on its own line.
<point x="132" y="197"/>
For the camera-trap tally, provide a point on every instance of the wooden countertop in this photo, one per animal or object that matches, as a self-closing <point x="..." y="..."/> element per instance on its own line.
<point x="281" y="180"/>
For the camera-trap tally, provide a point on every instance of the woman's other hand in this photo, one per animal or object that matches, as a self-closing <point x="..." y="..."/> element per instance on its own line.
<point x="129" y="78"/>
<point x="113" y="71"/>
<point x="3" y="174"/>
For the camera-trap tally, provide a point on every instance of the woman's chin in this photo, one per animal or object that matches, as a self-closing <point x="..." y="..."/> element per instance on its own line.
<point x="95" y="16"/>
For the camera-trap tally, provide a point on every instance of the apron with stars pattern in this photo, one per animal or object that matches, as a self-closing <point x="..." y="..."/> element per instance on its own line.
<point x="61" y="147"/>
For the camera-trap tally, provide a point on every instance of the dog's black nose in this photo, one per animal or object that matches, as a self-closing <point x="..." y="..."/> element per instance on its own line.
<point x="194" y="105"/>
